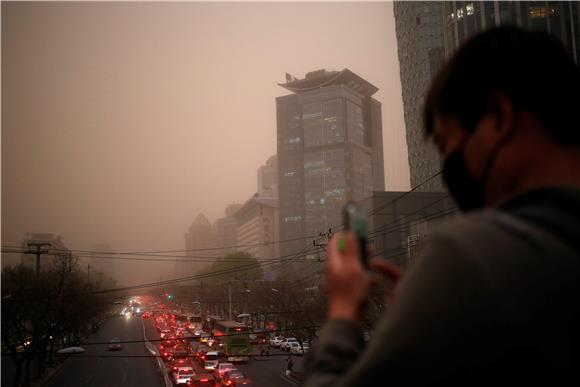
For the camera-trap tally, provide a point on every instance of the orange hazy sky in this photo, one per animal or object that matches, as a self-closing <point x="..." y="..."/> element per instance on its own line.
<point x="122" y="121"/>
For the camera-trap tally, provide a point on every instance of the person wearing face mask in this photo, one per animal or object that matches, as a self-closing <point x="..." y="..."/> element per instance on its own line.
<point x="494" y="298"/>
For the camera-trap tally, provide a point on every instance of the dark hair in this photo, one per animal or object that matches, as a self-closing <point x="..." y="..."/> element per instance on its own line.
<point x="531" y="68"/>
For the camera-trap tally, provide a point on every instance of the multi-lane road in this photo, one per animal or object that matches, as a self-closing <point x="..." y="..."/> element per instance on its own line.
<point x="97" y="366"/>
<point x="135" y="365"/>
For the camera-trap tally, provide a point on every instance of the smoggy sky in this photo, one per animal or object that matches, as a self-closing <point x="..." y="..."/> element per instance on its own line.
<point x="122" y="121"/>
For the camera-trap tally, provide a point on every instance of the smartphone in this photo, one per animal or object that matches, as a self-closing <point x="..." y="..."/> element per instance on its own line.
<point x="354" y="220"/>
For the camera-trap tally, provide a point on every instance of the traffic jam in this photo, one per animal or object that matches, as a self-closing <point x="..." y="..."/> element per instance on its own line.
<point x="204" y="350"/>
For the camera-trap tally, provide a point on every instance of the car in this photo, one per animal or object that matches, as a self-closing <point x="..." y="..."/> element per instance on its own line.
<point x="284" y="343"/>
<point x="231" y="377"/>
<point x="211" y="361"/>
<point x="179" y="363"/>
<point x="167" y="353"/>
<point x="295" y="348"/>
<point x="218" y="372"/>
<point x="168" y="343"/>
<point x="275" y="341"/>
<point x="115" y="344"/>
<point x="165" y="333"/>
<point x="183" y="375"/>
<point x="202" y="380"/>
<point x="204" y="338"/>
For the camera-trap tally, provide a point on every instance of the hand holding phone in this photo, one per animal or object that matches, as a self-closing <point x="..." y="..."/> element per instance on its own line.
<point x="354" y="220"/>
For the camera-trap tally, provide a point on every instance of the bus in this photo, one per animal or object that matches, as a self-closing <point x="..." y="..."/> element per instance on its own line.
<point x="234" y="339"/>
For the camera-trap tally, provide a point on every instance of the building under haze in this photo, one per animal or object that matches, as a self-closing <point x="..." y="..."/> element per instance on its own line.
<point x="429" y="32"/>
<point x="199" y="247"/>
<point x="330" y="150"/>
<point x="268" y="178"/>
<point x="258" y="229"/>
<point x="226" y="230"/>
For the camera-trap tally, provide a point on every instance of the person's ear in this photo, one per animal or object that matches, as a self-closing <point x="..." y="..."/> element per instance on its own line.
<point x="502" y="109"/>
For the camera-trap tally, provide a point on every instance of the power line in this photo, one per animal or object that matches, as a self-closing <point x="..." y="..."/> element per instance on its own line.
<point x="156" y="253"/>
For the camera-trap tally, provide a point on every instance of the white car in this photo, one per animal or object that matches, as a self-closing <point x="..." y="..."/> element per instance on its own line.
<point x="295" y="348"/>
<point x="211" y="361"/>
<point x="218" y="372"/>
<point x="183" y="375"/>
<point x="275" y="342"/>
<point x="115" y="344"/>
<point x="285" y="342"/>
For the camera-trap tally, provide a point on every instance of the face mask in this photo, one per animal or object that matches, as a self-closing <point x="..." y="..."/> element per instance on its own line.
<point x="468" y="192"/>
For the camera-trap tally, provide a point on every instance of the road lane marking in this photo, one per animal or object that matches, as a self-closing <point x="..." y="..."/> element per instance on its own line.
<point x="288" y="380"/>
<point x="89" y="379"/>
<point x="153" y="349"/>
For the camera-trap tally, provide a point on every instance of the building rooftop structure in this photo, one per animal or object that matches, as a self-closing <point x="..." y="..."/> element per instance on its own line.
<point x="322" y="78"/>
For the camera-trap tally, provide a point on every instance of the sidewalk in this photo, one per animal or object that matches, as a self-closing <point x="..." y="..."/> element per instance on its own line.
<point x="294" y="377"/>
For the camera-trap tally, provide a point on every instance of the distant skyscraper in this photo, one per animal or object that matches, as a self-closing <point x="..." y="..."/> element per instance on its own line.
<point x="258" y="228"/>
<point x="226" y="230"/>
<point x="428" y="32"/>
<point x="268" y="178"/>
<point x="200" y="236"/>
<point x="330" y="150"/>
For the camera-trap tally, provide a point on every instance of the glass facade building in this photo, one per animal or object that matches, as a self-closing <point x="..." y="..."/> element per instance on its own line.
<point x="429" y="32"/>
<point x="329" y="152"/>
<point x="421" y="53"/>
<point x="465" y="18"/>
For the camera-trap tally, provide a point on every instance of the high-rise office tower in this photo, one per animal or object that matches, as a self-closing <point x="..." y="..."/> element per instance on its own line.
<point x="268" y="178"/>
<point x="330" y="150"/>
<point x="199" y="241"/>
<point x="421" y="54"/>
<point x="461" y="19"/>
<point x="429" y="32"/>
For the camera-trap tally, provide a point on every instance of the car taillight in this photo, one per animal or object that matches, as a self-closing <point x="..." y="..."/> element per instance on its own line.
<point x="204" y="380"/>
<point x="164" y="353"/>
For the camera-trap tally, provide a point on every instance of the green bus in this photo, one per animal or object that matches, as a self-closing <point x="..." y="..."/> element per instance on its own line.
<point x="234" y="339"/>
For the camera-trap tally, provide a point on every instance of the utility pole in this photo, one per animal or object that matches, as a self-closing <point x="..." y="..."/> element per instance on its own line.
<point x="38" y="252"/>
<point x="230" y="296"/>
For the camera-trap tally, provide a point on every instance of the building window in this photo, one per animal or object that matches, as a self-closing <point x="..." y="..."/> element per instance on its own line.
<point x="537" y="11"/>
<point x="469" y="9"/>
<point x="312" y="124"/>
<point x="354" y="119"/>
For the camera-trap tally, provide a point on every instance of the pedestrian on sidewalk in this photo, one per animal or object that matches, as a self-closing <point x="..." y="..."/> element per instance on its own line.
<point x="289" y="366"/>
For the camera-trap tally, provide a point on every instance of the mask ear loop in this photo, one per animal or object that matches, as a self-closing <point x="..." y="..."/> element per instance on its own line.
<point x="492" y="159"/>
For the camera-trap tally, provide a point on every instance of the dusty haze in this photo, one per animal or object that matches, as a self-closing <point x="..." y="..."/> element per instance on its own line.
<point x="122" y="121"/>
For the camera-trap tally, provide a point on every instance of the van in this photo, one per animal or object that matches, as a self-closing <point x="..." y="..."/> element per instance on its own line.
<point x="211" y="360"/>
